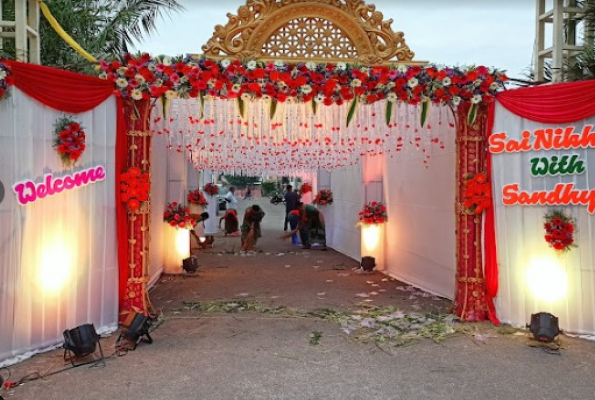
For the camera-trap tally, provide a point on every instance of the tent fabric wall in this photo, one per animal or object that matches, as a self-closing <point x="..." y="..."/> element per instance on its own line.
<point x="58" y="263"/>
<point x="520" y="237"/>
<point x="420" y="233"/>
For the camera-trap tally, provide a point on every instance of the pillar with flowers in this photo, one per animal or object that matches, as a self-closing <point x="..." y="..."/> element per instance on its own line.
<point x="133" y="222"/>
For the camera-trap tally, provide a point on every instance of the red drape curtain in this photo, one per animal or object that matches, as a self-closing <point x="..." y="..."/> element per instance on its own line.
<point x="552" y="104"/>
<point x="489" y="232"/>
<point x="76" y="93"/>
<point x="61" y="90"/>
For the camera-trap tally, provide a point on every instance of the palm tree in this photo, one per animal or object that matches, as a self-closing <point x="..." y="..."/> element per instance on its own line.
<point x="583" y="66"/>
<point x="104" y="28"/>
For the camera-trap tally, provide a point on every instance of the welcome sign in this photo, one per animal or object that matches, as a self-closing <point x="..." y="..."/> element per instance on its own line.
<point x="562" y="139"/>
<point x="30" y="191"/>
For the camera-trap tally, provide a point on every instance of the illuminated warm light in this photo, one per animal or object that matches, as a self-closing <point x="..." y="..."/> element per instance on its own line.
<point x="183" y="243"/>
<point x="547" y="279"/>
<point x="202" y="239"/>
<point x="371" y="238"/>
<point x="56" y="265"/>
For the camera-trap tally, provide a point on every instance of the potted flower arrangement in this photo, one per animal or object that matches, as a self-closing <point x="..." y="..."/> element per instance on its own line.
<point x="211" y="189"/>
<point x="134" y="188"/>
<point x="478" y="194"/>
<point x="559" y="230"/>
<point x="305" y="188"/>
<point x="196" y="201"/>
<point x="373" y="213"/>
<point x="69" y="141"/>
<point x="178" y="216"/>
<point x="324" y="197"/>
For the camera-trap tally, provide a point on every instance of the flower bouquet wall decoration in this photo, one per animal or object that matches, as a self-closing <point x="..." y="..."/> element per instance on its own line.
<point x="559" y="230"/>
<point x="134" y="187"/>
<point x="211" y="189"/>
<point x="178" y="216"/>
<point x="324" y="197"/>
<point x="373" y="213"/>
<point x="478" y="193"/>
<point x="69" y="141"/>
<point x="305" y="188"/>
<point x="196" y="197"/>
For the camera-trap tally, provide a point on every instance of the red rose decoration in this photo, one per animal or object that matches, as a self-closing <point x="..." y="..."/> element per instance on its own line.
<point x="134" y="188"/>
<point x="69" y="141"/>
<point x="477" y="195"/>
<point x="373" y="213"/>
<point x="559" y="230"/>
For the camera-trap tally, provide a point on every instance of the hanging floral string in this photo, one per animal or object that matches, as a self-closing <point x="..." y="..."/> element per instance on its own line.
<point x="69" y="141"/>
<point x="373" y="213"/>
<point x="478" y="193"/>
<point x="559" y="230"/>
<point x="211" y="189"/>
<point x="134" y="187"/>
<point x="6" y="80"/>
<point x="196" y="197"/>
<point x="324" y="197"/>
<point x="305" y="188"/>
<point x="178" y="216"/>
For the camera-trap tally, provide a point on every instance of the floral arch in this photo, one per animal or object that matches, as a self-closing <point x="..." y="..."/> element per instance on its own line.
<point x="381" y="72"/>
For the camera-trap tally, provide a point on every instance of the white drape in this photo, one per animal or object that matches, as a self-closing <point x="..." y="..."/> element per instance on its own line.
<point x="58" y="264"/>
<point x="420" y="233"/>
<point x="532" y="277"/>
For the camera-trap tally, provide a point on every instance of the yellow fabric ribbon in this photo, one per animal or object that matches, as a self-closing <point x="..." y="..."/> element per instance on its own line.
<point x="67" y="38"/>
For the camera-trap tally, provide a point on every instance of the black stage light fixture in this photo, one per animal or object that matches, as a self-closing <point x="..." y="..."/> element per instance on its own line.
<point x="134" y="328"/>
<point x="368" y="263"/>
<point x="190" y="264"/>
<point x="544" y="327"/>
<point x="81" y="342"/>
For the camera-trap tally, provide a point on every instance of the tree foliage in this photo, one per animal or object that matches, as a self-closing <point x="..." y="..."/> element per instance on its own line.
<point x="241" y="180"/>
<point x="104" y="28"/>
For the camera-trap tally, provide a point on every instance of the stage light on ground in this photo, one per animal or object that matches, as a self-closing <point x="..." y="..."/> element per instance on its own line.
<point x="368" y="263"/>
<point x="547" y="279"/>
<point x="544" y="327"/>
<point x="135" y="327"/>
<point x="81" y="342"/>
<point x="190" y="264"/>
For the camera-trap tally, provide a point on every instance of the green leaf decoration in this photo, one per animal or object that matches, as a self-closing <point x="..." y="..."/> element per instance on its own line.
<point x="241" y="107"/>
<point x="352" y="109"/>
<point x="425" y="109"/>
<point x="202" y="104"/>
<point x="314" y="107"/>
<point x="472" y="114"/>
<point x="389" y="112"/>
<point x="273" y="110"/>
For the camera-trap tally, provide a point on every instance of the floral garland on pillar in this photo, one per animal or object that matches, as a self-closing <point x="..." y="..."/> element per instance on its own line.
<point x="211" y="189"/>
<point x="324" y="197"/>
<point x="178" y="216"/>
<point x="134" y="188"/>
<point x="477" y="196"/>
<point x="69" y="140"/>
<point x="305" y="188"/>
<point x="373" y="213"/>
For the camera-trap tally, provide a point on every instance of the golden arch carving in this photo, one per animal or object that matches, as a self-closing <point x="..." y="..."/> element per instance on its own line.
<point x="309" y="30"/>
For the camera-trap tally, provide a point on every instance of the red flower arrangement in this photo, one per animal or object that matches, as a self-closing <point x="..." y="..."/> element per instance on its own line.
<point x="134" y="187"/>
<point x="478" y="193"/>
<point x="144" y="77"/>
<point x="373" y="213"/>
<point x="196" y="197"/>
<point x="305" y="188"/>
<point x="211" y="189"/>
<point x="324" y="197"/>
<point x="178" y="216"/>
<point x="559" y="230"/>
<point x="69" y="141"/>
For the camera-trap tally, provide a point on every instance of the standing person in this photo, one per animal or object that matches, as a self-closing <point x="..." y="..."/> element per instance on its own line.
<point x="230" y="198"/>
<point x="291" y="201"/>
<point x="251" y="227"/>
<point x="311" y="226"/>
